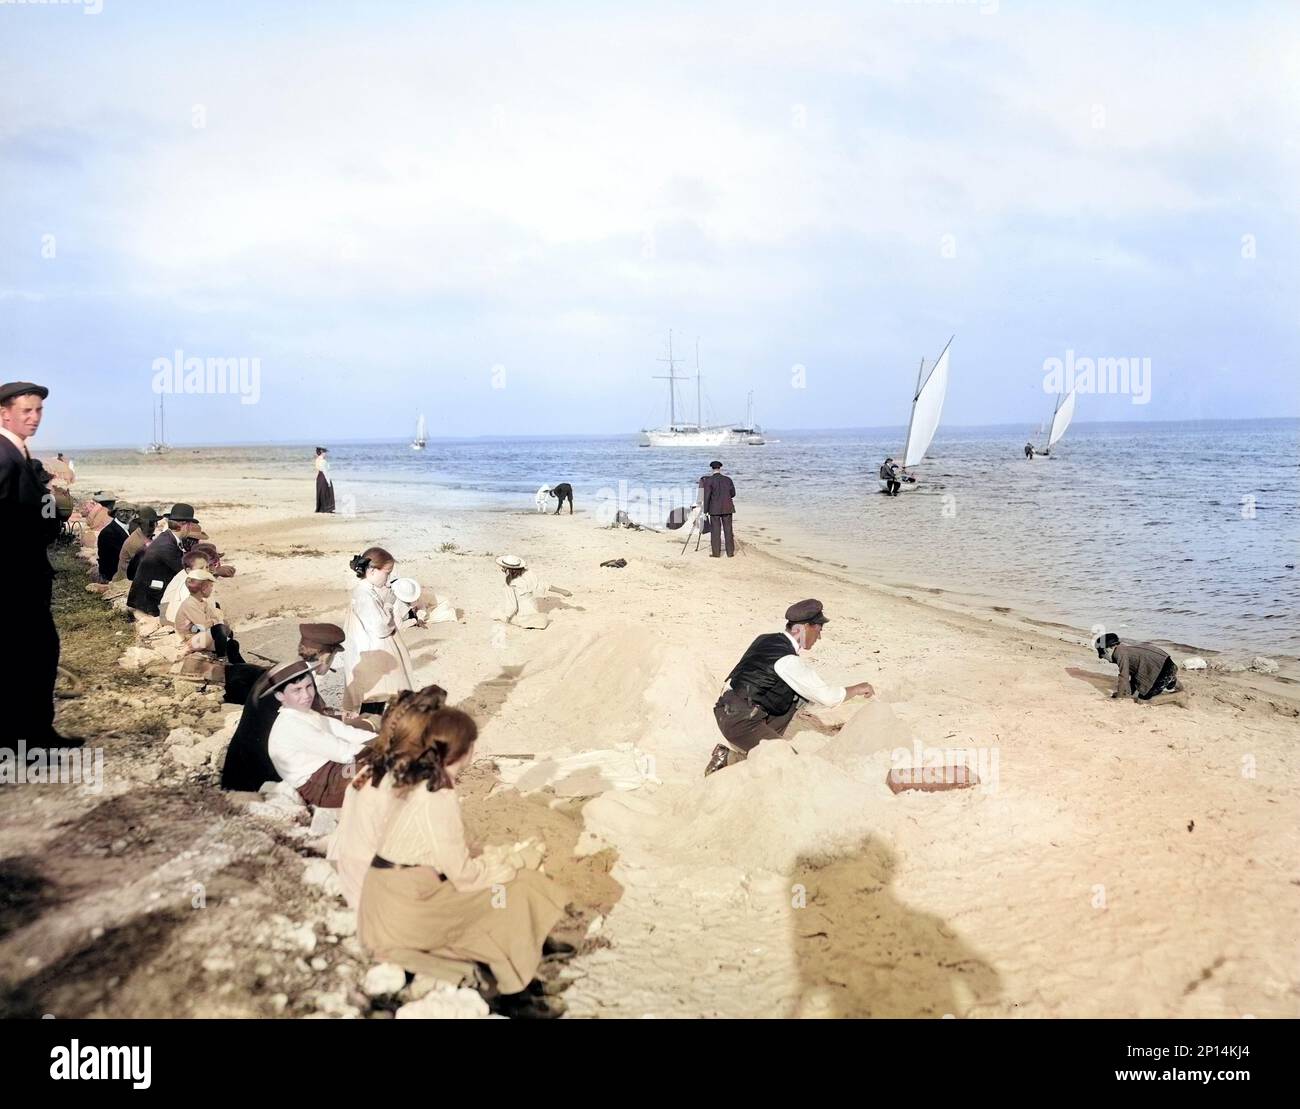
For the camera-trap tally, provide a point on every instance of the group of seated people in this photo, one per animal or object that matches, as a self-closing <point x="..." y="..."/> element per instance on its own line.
<point x="387" y="757"/>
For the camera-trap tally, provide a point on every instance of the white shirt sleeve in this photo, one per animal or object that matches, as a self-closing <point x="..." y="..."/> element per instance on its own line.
<point x="302" y="742"/>
<point x="806" y="682"/>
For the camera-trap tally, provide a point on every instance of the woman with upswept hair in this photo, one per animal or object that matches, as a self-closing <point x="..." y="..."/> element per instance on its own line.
<point x="424" y="892"/>
<point x="376" y="662"/>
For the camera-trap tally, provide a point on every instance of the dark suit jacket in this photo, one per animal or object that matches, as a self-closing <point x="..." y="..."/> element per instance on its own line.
<point x="160" y="562"/>
<point x="109" y="545"/>
<point x="718" y="492"/>
<point x="28" y="524"/>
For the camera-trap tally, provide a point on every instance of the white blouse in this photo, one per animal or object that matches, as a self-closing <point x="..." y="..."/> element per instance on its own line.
<point x="426" y="829"/>
<point x="301" y="742"/>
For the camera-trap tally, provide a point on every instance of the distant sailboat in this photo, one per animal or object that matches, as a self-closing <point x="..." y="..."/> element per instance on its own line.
<point x="684" y="434"/>
<point x="927" y="406"/>
<point x="751" y="433"/>
<point x="1061" y="417"/>
<point x="159" y="444"/>
<point x="421" y="439"/>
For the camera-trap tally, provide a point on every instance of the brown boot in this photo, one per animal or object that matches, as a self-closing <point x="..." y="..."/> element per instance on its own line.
<point x="721" y="757"/>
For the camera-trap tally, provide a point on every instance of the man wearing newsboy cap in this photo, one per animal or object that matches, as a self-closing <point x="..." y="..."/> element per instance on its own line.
<point x="28" y="525"/>
<point x="770" y="682"/>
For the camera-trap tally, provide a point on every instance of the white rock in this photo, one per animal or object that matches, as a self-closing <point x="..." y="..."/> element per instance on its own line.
<point x="279" y="1002"/>
<point x="383" y="979"/>
<point x="320" y="872"/>
<point x="593" y="929"/>
<point x="217" y="965"/>
<point x="303" y="937"/>
<point x="445" y="1005"/>
<point x="320" y="963"/>
<point x="341" y="922"/>
<point x="334" y="1005"/>
<point x="424" y="984"/>
<point x="1263" y="665"/>
<point x="192" y="757"/>
<point x="186" y="737"/>
<point x="324" y="822"/>
<point x="1194" y="663"/>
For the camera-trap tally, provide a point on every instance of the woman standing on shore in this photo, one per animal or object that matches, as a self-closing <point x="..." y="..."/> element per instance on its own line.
<point x="425" y="897"/>
<point x="324" y="486"/>
<point x="376" y="663"/>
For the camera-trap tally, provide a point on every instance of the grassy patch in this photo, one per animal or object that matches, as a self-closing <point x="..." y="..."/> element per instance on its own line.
<point x="448" y="548"/>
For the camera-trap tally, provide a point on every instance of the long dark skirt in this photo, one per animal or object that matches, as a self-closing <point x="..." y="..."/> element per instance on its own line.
<point x="324" y="494"/>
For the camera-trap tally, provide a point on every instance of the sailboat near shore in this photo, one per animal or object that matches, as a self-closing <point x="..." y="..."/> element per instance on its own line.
<point x="927" y="406"/>
<point x="1062" y="414"/>
<point x="421" y="439"/>
<point x="750" y="434"/>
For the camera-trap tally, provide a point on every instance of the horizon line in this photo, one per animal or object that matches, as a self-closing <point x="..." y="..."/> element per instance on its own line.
<point x="632" y="434"/>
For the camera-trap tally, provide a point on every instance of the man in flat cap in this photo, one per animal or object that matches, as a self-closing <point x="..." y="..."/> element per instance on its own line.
<point x="161" y="560"/>
<point x="717" y="495"/>
<point x="28" y="525"/>
<point x="1145" y="671"/>
<point x="770" y="682"/>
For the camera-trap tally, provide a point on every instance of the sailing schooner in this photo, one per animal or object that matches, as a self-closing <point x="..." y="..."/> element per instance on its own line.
<point x="421" y="439"/>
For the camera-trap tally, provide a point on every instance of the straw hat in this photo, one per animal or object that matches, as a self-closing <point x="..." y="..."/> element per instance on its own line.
<point x="511" y="562"/>
<point x="406" y="590"/>
<point x="198" y="575"/>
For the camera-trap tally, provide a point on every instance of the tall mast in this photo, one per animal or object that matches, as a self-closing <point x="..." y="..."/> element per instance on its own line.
<point x="910" y="419"/>
<point x="162" y="421"/>
<point x="672" y="380"/>
<point x="699" y="408"/>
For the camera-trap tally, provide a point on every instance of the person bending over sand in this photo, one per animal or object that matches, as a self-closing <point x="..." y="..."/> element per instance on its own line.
<point x="1145" y="671"/>
<point x="425" y="893"/>
<point x="770" y="682"/>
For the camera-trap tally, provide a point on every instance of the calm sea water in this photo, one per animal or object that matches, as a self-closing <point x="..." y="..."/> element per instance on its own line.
<point x="1184" y="532"/>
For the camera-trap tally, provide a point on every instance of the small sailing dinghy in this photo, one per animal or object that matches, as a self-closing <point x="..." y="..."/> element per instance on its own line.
<point x="1061" y="417"/>
<point x="421" y="434"/>
<point x="927" y="406"/>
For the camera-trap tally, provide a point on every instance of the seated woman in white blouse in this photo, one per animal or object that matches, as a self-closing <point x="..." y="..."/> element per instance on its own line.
<point x="313" y="752"/>
<point x="425" y="893"/>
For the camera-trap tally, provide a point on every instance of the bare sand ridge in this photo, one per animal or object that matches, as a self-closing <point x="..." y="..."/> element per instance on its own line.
<point x="1117" y="860"/>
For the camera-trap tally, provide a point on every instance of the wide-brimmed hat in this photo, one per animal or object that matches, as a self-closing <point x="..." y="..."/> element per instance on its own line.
<point x="12" y="389"/>
<point x="511" y="562"/>
<point x="406" y="590"/>
<point x="281" y="676"/>
<point x="198" y="574"/>
<point x="182" y="514"/>
<point x="205" y="547"/>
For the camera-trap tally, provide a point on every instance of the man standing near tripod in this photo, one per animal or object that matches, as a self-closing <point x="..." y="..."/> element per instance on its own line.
<point x="717" y="493"/>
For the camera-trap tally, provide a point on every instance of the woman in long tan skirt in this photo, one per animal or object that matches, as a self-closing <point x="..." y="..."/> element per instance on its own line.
<point x="426" y="901"/>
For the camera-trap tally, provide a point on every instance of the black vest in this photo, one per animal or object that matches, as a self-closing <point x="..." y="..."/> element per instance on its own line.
<point x="755" y="675"/>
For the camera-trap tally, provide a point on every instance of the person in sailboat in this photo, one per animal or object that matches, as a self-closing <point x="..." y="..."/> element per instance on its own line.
<point x="893" y="476"/>
<point x="324" y="485"/>
<point x="769" y="684"/>
<point x="1029" y="450"/>
<point x="1145" y="671"/>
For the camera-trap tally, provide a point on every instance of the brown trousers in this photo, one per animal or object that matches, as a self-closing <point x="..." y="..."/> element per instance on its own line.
<point x="745" y="725"/>
<point x="328" y="786"/>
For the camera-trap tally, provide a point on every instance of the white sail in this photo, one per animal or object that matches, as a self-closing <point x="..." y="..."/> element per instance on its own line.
<point x="1061" y="418"/>
<point x="421" y="434"/>
<point x="927" y="406"/>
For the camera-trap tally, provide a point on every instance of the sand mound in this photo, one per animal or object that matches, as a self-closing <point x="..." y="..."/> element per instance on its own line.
<point x="874" y="730"/>
<point x="761" y="814"/>
<point x="641" y="687"/>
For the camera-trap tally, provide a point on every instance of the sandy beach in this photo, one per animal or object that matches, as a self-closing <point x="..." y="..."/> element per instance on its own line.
<point x="1116" y="860"/>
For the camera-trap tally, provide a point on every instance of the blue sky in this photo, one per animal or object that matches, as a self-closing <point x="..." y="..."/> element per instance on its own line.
<point x="494" y="213"/>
